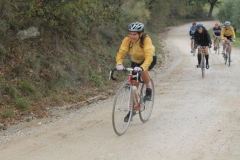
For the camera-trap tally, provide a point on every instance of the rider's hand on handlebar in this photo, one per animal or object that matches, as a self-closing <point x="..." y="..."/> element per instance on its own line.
<point x="119" y="67"/>
<point x="234" y="40"/>
<point x="137" y="69"/>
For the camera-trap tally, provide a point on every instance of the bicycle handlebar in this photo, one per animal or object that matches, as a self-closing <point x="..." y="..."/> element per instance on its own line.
<point x="125" y="70"/>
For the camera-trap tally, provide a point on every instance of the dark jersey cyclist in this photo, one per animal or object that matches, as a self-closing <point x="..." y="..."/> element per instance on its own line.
<point x="139" y="46"/>
<point x="202" y="38"/>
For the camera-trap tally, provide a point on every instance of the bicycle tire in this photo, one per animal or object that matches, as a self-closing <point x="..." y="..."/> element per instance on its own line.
<point x="146" y="107"/>
<point x="218" y="48"/>
<point x="121" y="106"/>
<point x="229" y="59"/>
<point x="225" y="58"/>
<point x="203" y="66"/>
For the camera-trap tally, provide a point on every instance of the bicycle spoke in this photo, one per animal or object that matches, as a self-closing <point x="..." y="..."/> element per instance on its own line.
<point x="122" y="105"/>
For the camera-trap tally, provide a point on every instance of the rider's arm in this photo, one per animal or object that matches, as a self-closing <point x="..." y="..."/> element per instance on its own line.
<point x="122" y="50"/>
<point x="149" y="50"/>
<point x="233" y="33"/>
<point x="222" y="33"/>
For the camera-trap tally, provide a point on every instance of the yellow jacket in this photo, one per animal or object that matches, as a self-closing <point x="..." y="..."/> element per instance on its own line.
<point x="138" y="55"/>
<point x="228" y="32"/>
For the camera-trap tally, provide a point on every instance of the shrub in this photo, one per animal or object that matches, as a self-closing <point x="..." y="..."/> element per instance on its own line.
<point x="7" y="113"/>
<point x="22" y="104"/>
<point x="11" y="91"/>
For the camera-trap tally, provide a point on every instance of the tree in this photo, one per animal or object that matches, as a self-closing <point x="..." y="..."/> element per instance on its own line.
<point x="212" y="4"/>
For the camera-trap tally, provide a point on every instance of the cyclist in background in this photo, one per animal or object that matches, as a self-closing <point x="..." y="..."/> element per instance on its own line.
<point x="191" y="33"/>
<point x="227" y="34"/>
<point x="139" y="46"/>
<point x="202" y="38"/>
<point x="216" y="34"/>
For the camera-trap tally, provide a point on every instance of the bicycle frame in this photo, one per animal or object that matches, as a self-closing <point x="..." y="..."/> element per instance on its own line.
<point x="228" y="50"/>
<point x="136" y="99"/>
<point x="217" y="45"/>
<point x="202" y="60"/>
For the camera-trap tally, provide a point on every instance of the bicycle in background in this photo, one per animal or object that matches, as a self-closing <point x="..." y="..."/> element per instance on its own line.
<point x="228" y="50"/>
<point x="131" y="99"/>
<point x="217" y="46"/>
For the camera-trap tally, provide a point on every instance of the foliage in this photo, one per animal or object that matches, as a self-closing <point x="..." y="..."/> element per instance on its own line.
<point x="7" y="113"/>
<point x="22" y="104"/>
<point x="11" y="91"/>
<point x="96" y="80"/>
<point x="75" y="37"/>
<point x="229" y="11"/>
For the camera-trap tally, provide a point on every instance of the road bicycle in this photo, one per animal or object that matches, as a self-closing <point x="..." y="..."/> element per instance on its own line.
<point x="202" y="63"/>
<point x="227" y="55"/>
<point x="131" y="99"/>
<point x="194" y="51"/>
<point x="217" y="45"/>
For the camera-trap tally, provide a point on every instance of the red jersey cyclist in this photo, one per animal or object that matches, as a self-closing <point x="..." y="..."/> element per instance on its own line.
<point x="216" y="34"/>
<point x="139" y="46"/>
<point x="227" y="35"/>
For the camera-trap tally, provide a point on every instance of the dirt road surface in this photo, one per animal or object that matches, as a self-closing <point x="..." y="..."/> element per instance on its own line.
<point x="193" y="118"/>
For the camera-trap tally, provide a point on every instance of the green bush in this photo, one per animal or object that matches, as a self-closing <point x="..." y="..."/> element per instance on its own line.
<point x="7" y="113"/>
<point x="11" y="91"/>
<point x="96" y="80"/>
<point x="22" y="104"/>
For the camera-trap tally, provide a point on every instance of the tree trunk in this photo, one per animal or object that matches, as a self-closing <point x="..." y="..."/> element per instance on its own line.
<point x="212" y="4"/>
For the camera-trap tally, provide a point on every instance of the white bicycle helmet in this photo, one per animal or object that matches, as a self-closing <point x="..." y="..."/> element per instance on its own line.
<point x="227" y="23"/>
<point x="136" y="27"/>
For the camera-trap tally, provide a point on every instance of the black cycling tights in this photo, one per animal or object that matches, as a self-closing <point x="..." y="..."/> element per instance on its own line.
<point x="200" y="56"/>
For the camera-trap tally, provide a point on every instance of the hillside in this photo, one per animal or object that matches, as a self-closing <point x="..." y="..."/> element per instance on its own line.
<point x="55" y="53"/>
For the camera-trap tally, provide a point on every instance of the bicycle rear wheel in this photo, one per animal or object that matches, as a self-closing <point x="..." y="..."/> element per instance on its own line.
<point x="146" y="106"/>
<point x="194" y="51"/>
<point x="218" y="47"/>
<point x="226" y="57"/>
<point x="203" y="65"/>
<point x="122" y="105"/>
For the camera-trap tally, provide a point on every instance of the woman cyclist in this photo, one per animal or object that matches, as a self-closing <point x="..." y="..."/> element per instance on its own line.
<point x="202" y="38"/>
<point x="227" y="34"/>
<point x="139" y="45"/>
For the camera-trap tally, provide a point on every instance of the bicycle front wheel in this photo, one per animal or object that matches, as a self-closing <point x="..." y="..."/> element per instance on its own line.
<point x="146" y="106"/>
<point x="121" y="107"/>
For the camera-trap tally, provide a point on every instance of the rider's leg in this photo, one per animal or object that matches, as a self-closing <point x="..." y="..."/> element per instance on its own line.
<point x="146" y="78"/>
<point x="192" y="41"/>
<point x="224" y="47"/>
<point x="214" y="43"/>
<point x="230" y="47"/>
<point x="206" y="56"/>
<point x="199" y="56"/>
